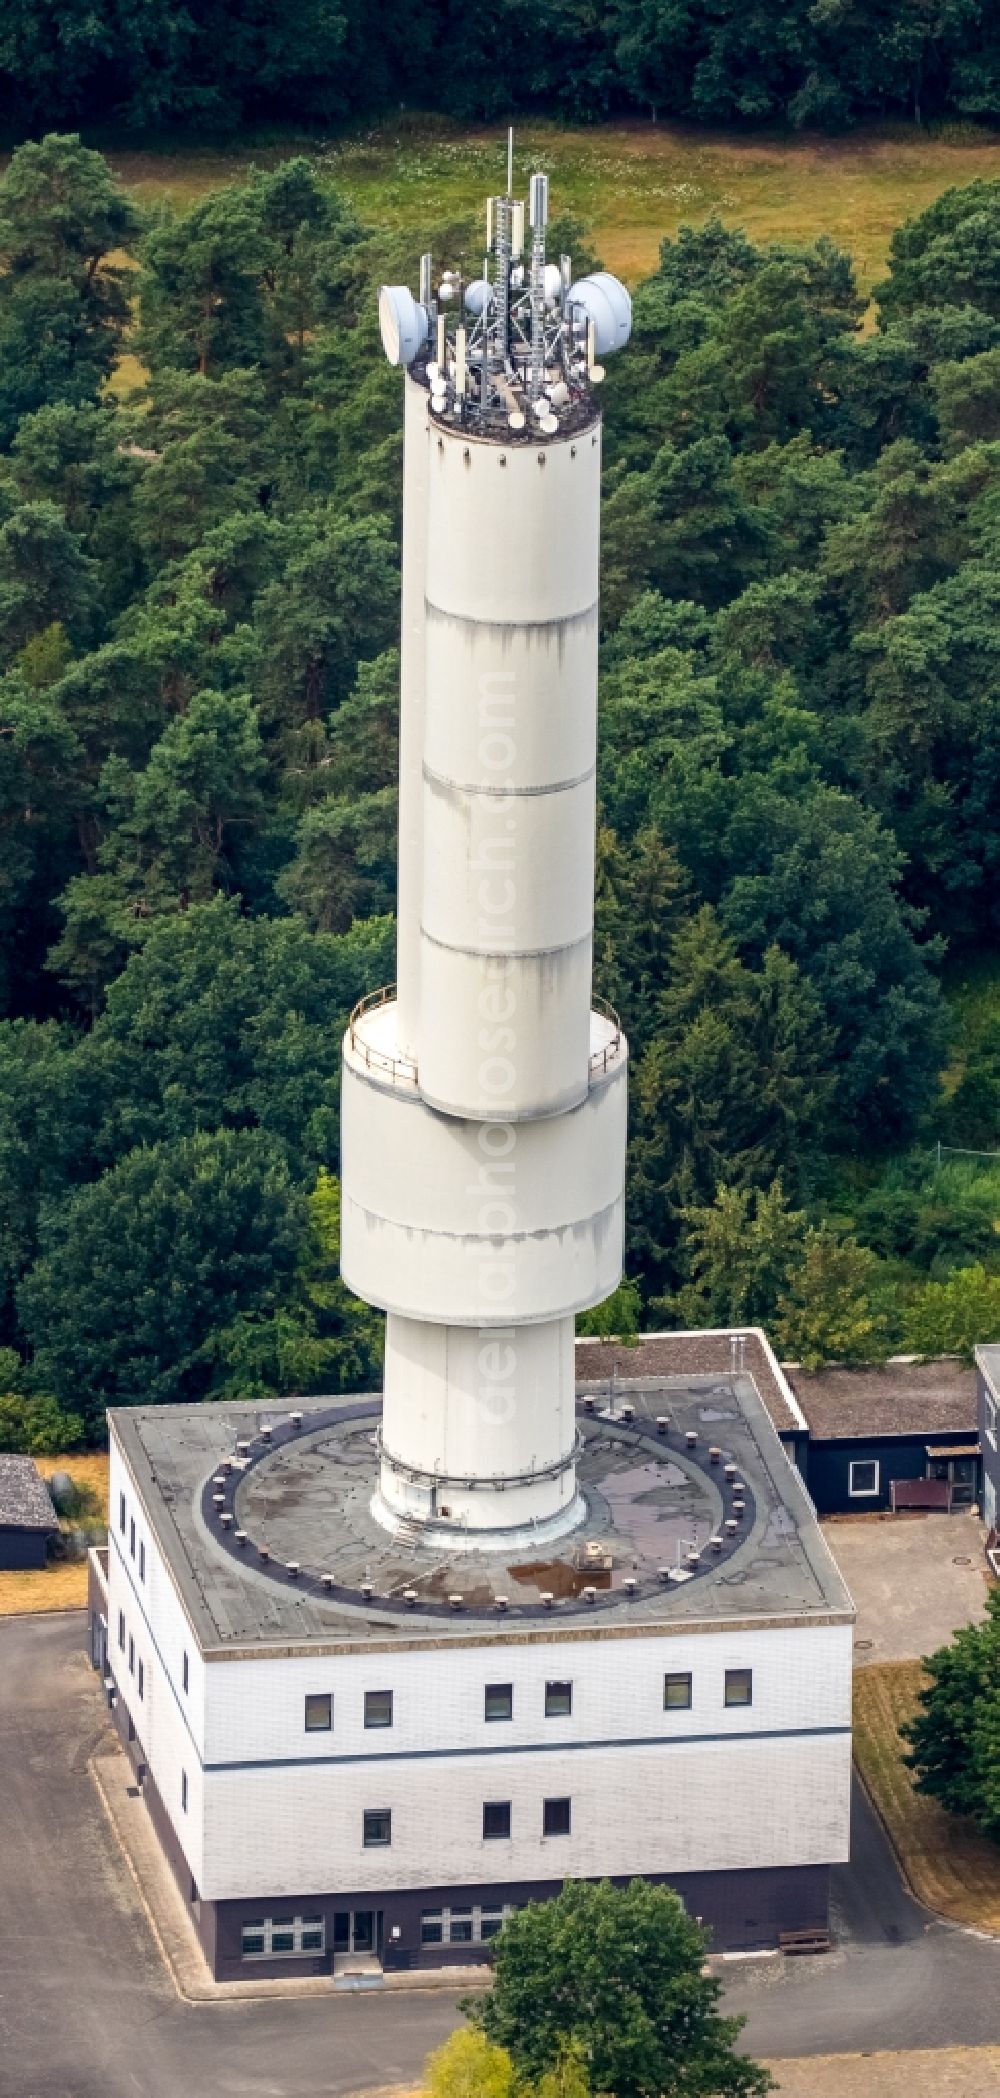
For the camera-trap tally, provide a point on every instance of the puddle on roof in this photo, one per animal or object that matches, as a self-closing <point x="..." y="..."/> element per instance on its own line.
<point x="560" y="1578"/>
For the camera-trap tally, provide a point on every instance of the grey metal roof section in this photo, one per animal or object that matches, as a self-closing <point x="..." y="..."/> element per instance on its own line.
<point x="901" y="1397"/>
<point x="988" y="1359"/>
<point x="307" y="1498"/>
<point x="24" y="1496"/>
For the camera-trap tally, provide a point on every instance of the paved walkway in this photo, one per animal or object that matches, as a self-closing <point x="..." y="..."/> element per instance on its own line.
<point x="174" y="1931"/>
<point x="88" y="2008"/>
<point x="914" y="1580"/>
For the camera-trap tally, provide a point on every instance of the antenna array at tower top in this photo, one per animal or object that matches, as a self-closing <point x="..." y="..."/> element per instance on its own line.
<point x="514" y="349"/>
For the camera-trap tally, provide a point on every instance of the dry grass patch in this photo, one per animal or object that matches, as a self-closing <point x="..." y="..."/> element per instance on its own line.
<point x="948" y="1865"/>
<point x="62" y="1585"/>
<point x="89" y="1471"/>
<point x="946" y="2072"/>
<point x="630" y="183"/>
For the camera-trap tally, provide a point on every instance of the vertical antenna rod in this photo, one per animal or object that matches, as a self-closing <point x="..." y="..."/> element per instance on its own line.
<point x="538" y="213"/>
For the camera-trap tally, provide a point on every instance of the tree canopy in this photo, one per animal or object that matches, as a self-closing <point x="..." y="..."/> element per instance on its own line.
<point x="953" y="1739"/>
<point x="231" y="62"/>
<point x="619" y="1973"/>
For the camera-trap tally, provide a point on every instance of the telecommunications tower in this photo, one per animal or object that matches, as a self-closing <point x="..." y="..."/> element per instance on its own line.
<point x="484" y="1097"/>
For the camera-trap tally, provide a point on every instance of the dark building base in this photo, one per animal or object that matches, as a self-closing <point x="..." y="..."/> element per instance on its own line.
<point x="744" y="1911"/>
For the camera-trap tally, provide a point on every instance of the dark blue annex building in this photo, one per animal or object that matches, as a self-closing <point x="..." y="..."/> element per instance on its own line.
<point x="903" y="1437"/>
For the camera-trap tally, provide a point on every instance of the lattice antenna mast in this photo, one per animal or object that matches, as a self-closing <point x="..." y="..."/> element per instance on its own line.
<point x="513" y="352"/>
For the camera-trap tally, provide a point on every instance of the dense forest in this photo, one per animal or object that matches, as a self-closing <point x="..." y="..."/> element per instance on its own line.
<point x="800" y="755"/>
<point x="227" y="63"/>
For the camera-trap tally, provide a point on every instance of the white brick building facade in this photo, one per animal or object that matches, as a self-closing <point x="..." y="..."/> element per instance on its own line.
<point x="264" y="1814"/>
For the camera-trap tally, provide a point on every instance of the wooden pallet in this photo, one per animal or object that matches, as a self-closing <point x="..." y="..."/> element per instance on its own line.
<point x="797" y="1942"/>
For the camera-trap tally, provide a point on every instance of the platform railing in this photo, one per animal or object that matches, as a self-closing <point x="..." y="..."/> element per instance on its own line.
<point x="612" y="1050"/>
<point x="394" y="1067"/>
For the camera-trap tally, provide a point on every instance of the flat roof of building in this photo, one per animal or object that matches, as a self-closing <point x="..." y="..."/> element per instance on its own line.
<point x="254" y="1512"/>
<point x="901" y="1398"/>
<point x="706" y="1353"/>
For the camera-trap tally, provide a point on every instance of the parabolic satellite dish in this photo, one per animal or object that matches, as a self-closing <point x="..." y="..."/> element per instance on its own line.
<point x="606" y="302"/>
<point x="403" y="323"/>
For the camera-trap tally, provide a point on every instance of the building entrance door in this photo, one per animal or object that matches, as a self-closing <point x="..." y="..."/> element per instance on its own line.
<point x="960" y="1473"/>
<point x="357" y="1933"/>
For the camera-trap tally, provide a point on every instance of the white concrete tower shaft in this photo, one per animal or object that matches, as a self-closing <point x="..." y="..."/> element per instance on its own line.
<point x="484" y="1097"/>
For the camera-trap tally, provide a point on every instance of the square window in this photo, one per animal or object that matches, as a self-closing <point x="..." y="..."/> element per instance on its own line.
<point x="121" y="1513"/>
<point x="432" y="1927"/>
<point x="121" y="1630"/>
<point x="863" y="1476"/>
<point x="377" y="1828"/>
<point x="185" y="1672"/>
<point x="496" y="1817"/>
<point x="282" y="1937"/>
<point x="184" y="1794"/>
<point x="558" y="1700"/>
<point x="677" y="1693"/>
<point x="131" y="1538"/>
<point x="491" y="1923"/>
<point x="378" y="1707"/>
<point x="499" y="1701"/>
<point x="252" y="1940"/>
<point x="555" y="1817"/>
<point x="142" y="1680"/>
<point x="312" y="1937"/>
<point x="142" y="1562"/>
<point x="460" y="1928"/>
<point x="739" y="1686"/>
<point x="319" y="1713"/>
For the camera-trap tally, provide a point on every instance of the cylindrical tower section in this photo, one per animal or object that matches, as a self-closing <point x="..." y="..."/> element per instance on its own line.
<point x="507" y="883"/>
<point x="478" y="1429"/>
<point x="471" y="1223"/>
<point x="483" y="1114"/>
<point x="411" y="718"/>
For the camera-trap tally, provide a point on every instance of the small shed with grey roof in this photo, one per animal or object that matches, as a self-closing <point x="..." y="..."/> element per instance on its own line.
<point x="27" y="1517"/>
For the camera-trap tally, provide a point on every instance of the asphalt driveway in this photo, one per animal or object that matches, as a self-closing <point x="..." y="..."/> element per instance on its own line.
<point x="914" y="1580"/>
<point x="87" y="2010"/>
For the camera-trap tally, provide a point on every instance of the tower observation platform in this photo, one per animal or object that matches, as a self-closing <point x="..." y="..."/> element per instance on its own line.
<point x="484" y="1094"/>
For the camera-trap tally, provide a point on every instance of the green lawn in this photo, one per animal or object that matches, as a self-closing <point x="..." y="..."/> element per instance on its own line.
<point x="630" y="183"/>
